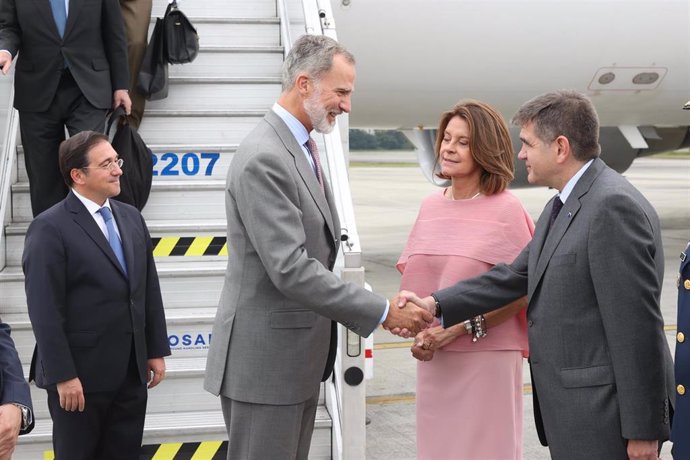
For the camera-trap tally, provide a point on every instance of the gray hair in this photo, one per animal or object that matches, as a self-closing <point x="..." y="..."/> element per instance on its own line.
<point x="563" y="113"/>
<point x="313" y="55"/>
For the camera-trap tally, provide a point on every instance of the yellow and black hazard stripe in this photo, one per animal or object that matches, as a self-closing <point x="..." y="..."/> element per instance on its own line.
<point x="207" y="450"/>
<point x="190" y="246"/>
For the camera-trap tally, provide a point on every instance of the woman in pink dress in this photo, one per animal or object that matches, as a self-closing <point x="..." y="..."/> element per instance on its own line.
<point x="469" y="376"/>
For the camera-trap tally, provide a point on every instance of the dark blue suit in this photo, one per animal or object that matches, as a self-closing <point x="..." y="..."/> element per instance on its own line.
<point x="93" y="322"/>
<point x="681" y="419"/>
<point x="13" y="387"/>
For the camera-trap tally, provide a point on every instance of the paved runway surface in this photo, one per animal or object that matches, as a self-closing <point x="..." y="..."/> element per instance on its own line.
<point x="386" y="203"/>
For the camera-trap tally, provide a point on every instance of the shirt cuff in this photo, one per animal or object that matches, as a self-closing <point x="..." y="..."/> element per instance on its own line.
<point x="385" y="312"/>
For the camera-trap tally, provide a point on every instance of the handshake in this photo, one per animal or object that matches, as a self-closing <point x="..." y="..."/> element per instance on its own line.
<point x="409" y="314"/>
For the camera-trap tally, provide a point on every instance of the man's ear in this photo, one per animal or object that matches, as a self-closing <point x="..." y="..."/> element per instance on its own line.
<point x="77" y="175"/>
<point x="303" y="84"/>
<point x="564" y="152"/>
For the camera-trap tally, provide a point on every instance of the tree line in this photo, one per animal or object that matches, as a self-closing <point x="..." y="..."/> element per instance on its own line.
<point x="379" y="139"/>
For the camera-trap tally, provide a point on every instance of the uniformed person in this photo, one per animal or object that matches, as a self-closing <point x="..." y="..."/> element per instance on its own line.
<point x="681" y="419"/>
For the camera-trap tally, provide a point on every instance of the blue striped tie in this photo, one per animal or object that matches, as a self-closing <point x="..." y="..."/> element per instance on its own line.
<point x="113" y="239"/>
<point x="59" y="14"/>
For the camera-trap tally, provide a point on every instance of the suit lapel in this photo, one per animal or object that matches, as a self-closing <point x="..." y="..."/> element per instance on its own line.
<point x="305" y="170"/>
<point x="46" y="12"/>
<point x="72" y="14"/>
<point x="570" y="209"/>
<point x="82" y="218"/>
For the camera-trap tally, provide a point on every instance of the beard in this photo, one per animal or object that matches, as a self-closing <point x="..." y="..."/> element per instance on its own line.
<point x="318" y="114"/>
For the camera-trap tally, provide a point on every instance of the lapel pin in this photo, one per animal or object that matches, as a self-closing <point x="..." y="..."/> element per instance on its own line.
<point x="570" y="214"/>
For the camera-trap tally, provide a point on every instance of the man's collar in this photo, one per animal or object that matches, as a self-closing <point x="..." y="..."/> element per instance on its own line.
<point x="296" y="127"/>
<point x="91" y="206"/>
<point x="570" y="185"/>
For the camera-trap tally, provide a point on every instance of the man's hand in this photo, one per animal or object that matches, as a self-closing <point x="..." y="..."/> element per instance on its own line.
<point x="5" y="61"/>
<point x="427" y="303"/>
<point x="639" y="449"/>
<point x="10" y="423"/>
<point x="121" y="97"/>
<point x="156" y="372"/>
<point x="71" y="395"/>
<point x="408" y="317"/>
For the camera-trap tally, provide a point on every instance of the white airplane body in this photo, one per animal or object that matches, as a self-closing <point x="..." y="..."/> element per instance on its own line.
<point x="416" y="58"/>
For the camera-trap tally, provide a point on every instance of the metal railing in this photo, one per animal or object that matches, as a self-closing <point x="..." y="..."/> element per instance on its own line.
<point x="9" y="121"/>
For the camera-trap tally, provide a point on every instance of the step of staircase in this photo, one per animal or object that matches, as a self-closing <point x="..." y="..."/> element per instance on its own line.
<point x="183" y="284"/>
<point x="16" y="232"/>
<point x="176" y="427"/>
<point x="181" y="390"/>
<point x="220" y="8"/>
<point x="199" y="126"/>
<point x="232" y="61"/>
<point x="175" y="161"/>
<point x="189" y="333"/>
<point x="213" y="93"/>
<point x="190" y="200"/>
<point x="235" y="31"/>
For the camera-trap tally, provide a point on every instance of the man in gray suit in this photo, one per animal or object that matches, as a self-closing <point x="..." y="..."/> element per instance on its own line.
<point x="274" y="334"/>
<point x="601" y="368"/>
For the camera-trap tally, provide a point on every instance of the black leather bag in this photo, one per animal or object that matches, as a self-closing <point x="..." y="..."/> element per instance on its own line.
<point x="153" y="74"/>
<point x="181" y="38"/>
<point x="137" y="169"/>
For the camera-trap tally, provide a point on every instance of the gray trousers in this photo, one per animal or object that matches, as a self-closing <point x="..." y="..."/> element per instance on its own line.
<point x="263" y="431"/>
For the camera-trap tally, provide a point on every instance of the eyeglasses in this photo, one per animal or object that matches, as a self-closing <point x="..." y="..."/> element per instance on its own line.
<point x="109" y="165"/>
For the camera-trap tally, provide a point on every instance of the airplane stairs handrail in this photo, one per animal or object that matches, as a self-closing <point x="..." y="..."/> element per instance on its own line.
<point x="8" y="155"/>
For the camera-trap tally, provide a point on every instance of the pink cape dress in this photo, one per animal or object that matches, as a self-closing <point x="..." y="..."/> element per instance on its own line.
<point x="469" y="397"/>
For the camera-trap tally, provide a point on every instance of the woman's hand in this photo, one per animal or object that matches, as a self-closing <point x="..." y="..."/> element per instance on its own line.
<point x="430" y="340"/>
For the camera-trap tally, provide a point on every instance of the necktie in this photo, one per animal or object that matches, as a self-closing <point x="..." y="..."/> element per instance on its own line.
<point x="59" y="14"/>
<point x="311" y="145"/>
<point x="555" y="209"/>
<point x="113" y="239"/>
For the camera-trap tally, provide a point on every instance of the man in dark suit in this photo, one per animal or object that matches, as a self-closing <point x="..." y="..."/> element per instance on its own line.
<point x="95" y="307"/>
<point x="72" y="67"/>
<point x="274" y="338"/>
<point x="681" y="417"/>
<point x="601" y="367"/>
<point x="16" y="415"/>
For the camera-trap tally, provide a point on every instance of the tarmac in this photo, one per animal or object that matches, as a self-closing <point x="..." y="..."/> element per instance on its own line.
<point x="386" y="200"/>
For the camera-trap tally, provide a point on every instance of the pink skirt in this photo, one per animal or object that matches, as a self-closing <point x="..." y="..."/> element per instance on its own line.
<point x="469" y="406"/>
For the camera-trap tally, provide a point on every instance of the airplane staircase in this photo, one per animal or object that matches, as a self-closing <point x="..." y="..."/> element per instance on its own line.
<point x="212" y="104"/>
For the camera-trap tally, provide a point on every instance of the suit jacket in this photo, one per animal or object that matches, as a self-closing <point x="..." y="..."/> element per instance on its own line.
<point x="93" y="45"/>
<point x="681" y="416"/>
<point x="86" y="314"/>
<point x="13" y="387"/>
<point x="272" y="332"/>
<point x="599" y="359"/>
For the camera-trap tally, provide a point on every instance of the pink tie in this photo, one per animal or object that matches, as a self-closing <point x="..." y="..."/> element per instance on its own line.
<point x="311" y="145"/>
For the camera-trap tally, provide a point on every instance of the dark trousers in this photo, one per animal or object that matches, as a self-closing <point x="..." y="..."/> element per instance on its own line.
<point x="110" y="428"/>
<point x="42" y="133"/>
